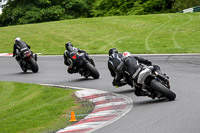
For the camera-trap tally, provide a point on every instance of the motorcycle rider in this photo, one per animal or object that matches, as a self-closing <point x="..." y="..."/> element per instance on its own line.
<point x="68" y="61"/>
<point x="19" y="48"/>
<point x="119" y="66"/>
<point x="136" y="71"/>
<point x="115" y="65"/>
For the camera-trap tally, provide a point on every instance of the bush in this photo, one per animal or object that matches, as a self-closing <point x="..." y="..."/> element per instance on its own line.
<point x="154" y="6"/>
<point x="180" y="5"/>
<point x="31" y="16"/>
<point x="77" y="8"/>
<point x="111" y="7"/>
<point x="26" y="11"/>
<point x="52" y="13"/>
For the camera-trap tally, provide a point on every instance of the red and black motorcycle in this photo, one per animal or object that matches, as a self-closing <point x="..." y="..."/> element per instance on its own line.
<point x="28" y="61"/>
<point x="85" y="68"/>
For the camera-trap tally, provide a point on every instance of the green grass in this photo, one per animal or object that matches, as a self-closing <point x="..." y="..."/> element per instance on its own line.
<point x="30" y="108"/>
<point x="158" y="33"/>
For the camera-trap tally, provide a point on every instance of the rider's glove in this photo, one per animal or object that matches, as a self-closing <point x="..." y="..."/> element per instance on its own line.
<point x="148" y="62"/>
<point x="86" y="53"/>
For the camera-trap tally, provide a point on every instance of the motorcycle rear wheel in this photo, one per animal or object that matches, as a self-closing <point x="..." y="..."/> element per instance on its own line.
<point x="93" y="71"/>
<point x="34" y="65"/>
<point x="23" y="68"/>
<point x="156" y="85"/>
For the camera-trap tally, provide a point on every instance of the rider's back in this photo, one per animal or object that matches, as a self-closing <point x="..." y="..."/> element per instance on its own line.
<point x="131" y="65"/>
<point x="20" y="44"/>
<point x="115" y="59"/>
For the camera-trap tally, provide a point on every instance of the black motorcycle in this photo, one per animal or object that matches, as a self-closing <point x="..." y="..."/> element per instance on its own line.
<point x="85" y="68"/>
<point x="153" y="83"/>
<point x="28" y="61"/>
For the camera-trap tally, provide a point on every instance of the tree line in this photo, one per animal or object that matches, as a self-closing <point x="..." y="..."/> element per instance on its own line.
<point x="35" y="11"/>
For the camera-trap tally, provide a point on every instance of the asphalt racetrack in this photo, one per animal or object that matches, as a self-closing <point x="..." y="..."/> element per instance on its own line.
<point x="147" y="115"/>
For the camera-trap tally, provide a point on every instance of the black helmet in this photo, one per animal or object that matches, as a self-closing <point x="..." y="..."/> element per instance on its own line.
<point x="68" y="44"/>
<point x="112" y="50"/>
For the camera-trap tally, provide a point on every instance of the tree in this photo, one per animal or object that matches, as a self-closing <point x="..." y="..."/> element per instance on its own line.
<point x="26" y="11"/>
<point x="34" y="11"/>
<point x="184" y="4"/>
<point x="111" y="7"/>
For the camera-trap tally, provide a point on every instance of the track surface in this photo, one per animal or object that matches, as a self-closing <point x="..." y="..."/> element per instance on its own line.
<point x="147" y="115"/>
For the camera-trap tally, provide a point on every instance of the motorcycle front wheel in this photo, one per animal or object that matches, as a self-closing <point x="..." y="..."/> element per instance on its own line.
<point x="156" y="85"/>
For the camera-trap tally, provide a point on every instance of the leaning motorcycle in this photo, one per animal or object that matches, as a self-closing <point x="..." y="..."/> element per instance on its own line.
<point x="154" y="83"/>
<point x="28" y="61"/>
<point x="84" y="67"/>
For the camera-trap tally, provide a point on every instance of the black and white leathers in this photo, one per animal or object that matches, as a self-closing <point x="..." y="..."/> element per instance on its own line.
<point x="20" y="46"/>
<point x="119" y="65"/>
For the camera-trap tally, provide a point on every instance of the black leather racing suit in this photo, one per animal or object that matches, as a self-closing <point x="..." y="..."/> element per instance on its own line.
<point x="115" y="65"/>
<point x="19" y="48"/>
<point x="132" y="67"/>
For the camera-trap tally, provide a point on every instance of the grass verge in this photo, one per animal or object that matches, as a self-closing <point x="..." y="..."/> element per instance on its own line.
<point x="34" y="108"/>
<point x="157" y="33"/>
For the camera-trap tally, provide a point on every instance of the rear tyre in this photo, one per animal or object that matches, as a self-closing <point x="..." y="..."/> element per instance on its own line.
<point x="34" y="65"/>
<point x="24" y="69"/>
<point x="162" y="89"/>
<point x="93" y="71"/>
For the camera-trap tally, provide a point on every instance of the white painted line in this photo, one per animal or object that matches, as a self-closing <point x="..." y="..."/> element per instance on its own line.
<point x="149" y="55"/>
<point x="66" y="87"/>
<point x="11" y="54"/>
<point x="3" y="54"/>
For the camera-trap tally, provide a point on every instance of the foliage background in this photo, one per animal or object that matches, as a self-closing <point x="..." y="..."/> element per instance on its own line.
<point x="35" y="11"/>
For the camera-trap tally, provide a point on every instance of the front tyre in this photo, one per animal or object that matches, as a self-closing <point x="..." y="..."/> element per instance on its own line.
<point x="162" y="89"/>
<point x="93" y="71"/>
<point x="34" y="65"/>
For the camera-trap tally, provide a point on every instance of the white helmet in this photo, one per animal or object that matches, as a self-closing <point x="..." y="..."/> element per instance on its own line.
<point x="126" y="54"/>
<point x="17" y="39"/>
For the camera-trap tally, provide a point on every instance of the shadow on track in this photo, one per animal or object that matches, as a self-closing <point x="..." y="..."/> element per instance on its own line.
<point x="151" y="101"/>
<point x="20" y="73"/>
<point x="124" y="91"/>
<point x="81" y="80"/>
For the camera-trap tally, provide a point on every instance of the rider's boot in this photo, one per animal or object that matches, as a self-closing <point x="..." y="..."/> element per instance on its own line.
<point x="92" y="62"/>
<point x="72" y="70"/>
<point x="35" y="57"/>
<point x="142" y="91"/>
